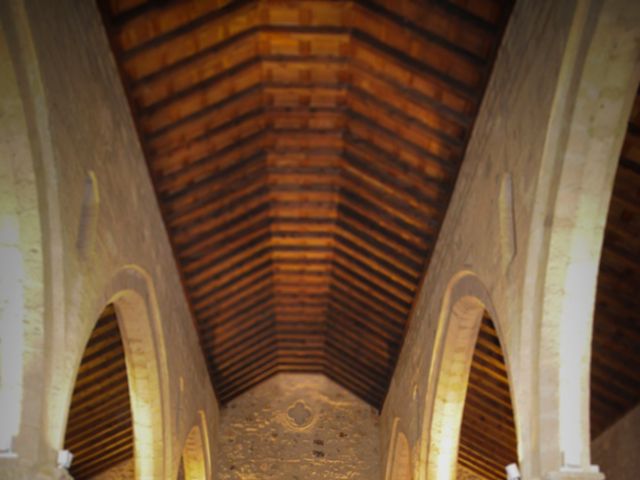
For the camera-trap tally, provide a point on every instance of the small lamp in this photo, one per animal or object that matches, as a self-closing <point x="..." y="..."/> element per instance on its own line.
<point x="513" y="472"/>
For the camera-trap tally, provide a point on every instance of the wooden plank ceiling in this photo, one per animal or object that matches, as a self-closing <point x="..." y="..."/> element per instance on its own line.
<point x="615" y="366"/>
<point x="303" y="155"/>
<point x="488" y="439"/>
<point x="99" y="428"/>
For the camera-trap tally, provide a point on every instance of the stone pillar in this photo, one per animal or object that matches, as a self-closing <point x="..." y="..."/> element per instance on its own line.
<point x="16" y="469"/>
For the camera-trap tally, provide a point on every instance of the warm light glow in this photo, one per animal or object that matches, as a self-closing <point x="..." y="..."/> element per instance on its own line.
<point x="143" y="347"/>
<point x="193" y="456"/>
<point x="143" y="427"/>
<point x="451" y="388"/>
<point x="448" y="424"/>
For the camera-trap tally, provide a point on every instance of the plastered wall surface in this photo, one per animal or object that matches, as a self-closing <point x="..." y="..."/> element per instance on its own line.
<point x="298" y="427"/>
<point x="87" y="161"/>
<point x="616" y="449"/>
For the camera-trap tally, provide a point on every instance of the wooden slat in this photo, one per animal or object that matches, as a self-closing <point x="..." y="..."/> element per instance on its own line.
<point x="99" y="428"/>
<point x="304" y="155"/>
<point x="487" y="435"/>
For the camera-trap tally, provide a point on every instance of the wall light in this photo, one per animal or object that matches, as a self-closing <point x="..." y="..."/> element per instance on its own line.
<point x="65" y="457"/>
<point x="513" y="472"/>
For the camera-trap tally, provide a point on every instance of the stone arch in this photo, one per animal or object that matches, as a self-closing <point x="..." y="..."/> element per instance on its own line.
<point x="21" y="256"/>
<point x="133" y="297"/>
<point x="465" y="302"/>
<point x="193" y="455"/>
<point x="399" y="456"/>
<point x="603" y="58"/>
<point x="145" y="354"/>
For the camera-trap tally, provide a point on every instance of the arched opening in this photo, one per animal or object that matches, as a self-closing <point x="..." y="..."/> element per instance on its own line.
<point x="100" y="425"/>
<point x="192" y="462"/>
<point x="472" y="431"/>
<point x="615" y="355"/>
<point x="400" y="467"/>
<point x="488" y="439"/>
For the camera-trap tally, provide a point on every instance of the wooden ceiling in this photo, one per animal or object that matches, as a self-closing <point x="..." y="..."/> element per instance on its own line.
<point x="303" y="155"/>
<point x="99" y="428"/>
<point x="488" y="439"/>
<point x="615" y="366"/>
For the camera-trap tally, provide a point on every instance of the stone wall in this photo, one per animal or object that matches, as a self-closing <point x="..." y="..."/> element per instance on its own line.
<point x="297" y="426"/>
<point x="81" y="139"/>
<point x="506" y="146"/>
<point x="523" y="231"/>
<point x="103" y="241"/>
<point x="616" y="451"/>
